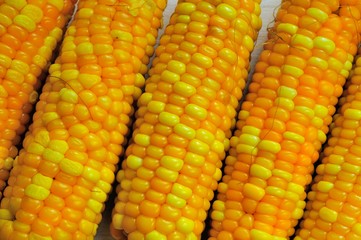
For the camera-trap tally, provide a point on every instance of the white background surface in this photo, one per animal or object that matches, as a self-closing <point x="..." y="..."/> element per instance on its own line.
<point x="269" y="8"/>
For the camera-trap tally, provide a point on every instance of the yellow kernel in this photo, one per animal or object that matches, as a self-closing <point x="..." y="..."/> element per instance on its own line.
<point x="291" y="70"/>
<point x="260" y="171"/>
<point x="286" y="92"/>
<point x="332" y="169"/>
<point x="318" y="14"/>
<point x="176" y="67"/>
<point x="335" y="64"/>
<point x="318" y="62"/>
<point x="91" y="174"/>
<point x="52" y="156"/>
<point x="328" y="215"/>
<point x="198" y="147"/>
<point x="320" y="111"/>
<point x="253" y="192"/>
<point x="247" y="149"/>
<point x="282" y="174"/>
<point x="122" y="35"/>
<point x="325" y="44"/>
<point x="297" y="213"/>
<point x="170" y="77"/>
<point x="155" y="235"/>
<point x="299" y="39"/>
<point x="142" y="139"/>
<point x="201" y="60"/>
<point x="68" y="95"/>
<point x="155" y="106"/>
<point x="294" y="137"/>
<point x="5" y="214"/>
<point x="171" y="163"/>
<point x="100" y="49"/>
<point x="226" y="11"/>
<point x="14" y="76"/>
<point x="287" y="28"/>
<point x="284" y="103"/>
<point x="85" y="13"/>
<point x="18" y="4"/>
<point x="184" y="131"/>
<point x="251" y="130"/>
<point x="218" y="147"/>
<point x="168" y="119"/>
<point x="270" y="146"/>
<point x="167" y="174"/>
<point x="84" y="48"/>
<point x="42" y="137"/>
<point x="35" y="148"/>
<point x="217" y="215"/>
<point x="275" y="191"/>
<point x="59" y="4"/>
<point x="185" y="225"/>
<point x="95" y="206"/>
<point x="306" y="111"/>
<point x="324" y="186"/>
<point x="185" y="8"/>
<point x="134" y="162"/>
<point x="353" y="114"/>
<point x="88" y="80"/>
<point x="37" y="192"/>
<point x="196" y="111"/>
<point x="25" y="22"/>
<point x="184" y="89"/>
<point x="256" y="234"/>
<point x="175" y="201"/>
<point x="5" y="61"/>
<point x="35" y="236"/>
<point x="248" y="139"/>
<point x="181" y="191"/>
<point x="20" y="66"/>
<point x="205" y="136"/>
<point x="59" y="145"/>
<point x="71" y="167"/>
<point x="33" y="12"/>
<point x="194" y="159"/>
<point x="41" y="180"/>
<point x="295" y="188"/>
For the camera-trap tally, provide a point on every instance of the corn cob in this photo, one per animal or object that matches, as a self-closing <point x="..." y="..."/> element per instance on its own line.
<point x="333" y="206"/>
<point x="184" y="120"/>
<point x="283" y="122"/>
<point x="62" y="176"/>
<point x="29" y="32"/>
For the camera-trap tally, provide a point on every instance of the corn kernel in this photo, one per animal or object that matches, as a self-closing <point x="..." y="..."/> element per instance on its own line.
<point x="184" y="89"/>
<point x="181" y="191"/>
<point x="142" y="139"/>
<point x="318" y="14"/>
<point x="185" y="225"/>
<point x="328" y="215"/>
<point x="176" y="67"/>
<point x="325" y="44"/>
<point x="260" y="171"/>
<point x="184" y="131"/>
<point x="33" y="12"/>
<point x="287" y="28"/>
<point x="59" y="146"/>
<point x="168" y="119"/>
<point x="169" y="77"/>
<point x="175" y="201"/>
<point x="171" y="163"/>
<point x="294" y="137"/>
<point x="270" y="146"/>
<point x="134" y="162"/>
<point x="155" y="235"/>
<point x="300" y="39"/>
<point x="226" y="11"/>
<point x="198" y="147"/>
<point x="196" y="111"/>
<point x="36" y="192"/>
<point x="71" y="167"/>
<point x="41" y="180"/>
<point x="253" y="192"/>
